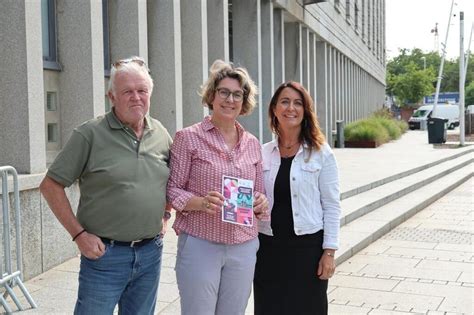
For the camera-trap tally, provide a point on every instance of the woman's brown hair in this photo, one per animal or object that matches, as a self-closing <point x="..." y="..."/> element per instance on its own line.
<point x="311" y="133"/>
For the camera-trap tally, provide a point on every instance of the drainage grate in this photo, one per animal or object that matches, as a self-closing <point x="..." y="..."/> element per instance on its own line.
<point x="430" y="235"/>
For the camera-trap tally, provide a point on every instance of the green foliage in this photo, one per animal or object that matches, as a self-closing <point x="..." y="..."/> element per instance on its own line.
<point x="469" y="94"/>
<point x="412" y="85"/>
<point x="400" y="74"/>
<point x="380" y="128"/>
<point x="383" y="113"/>
<point x="367" y="129"/>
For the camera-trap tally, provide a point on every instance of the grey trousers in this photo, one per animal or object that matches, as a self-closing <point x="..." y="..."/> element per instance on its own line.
<point x="213" y="278"/>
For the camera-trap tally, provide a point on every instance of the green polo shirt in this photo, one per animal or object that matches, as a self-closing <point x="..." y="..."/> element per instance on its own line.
<point x="122" y="180"/>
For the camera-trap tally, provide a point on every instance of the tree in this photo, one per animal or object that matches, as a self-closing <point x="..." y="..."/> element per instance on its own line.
<point x="411" y="86"/>
<point x="469" y="94"/>
<point x="398" y="66"/>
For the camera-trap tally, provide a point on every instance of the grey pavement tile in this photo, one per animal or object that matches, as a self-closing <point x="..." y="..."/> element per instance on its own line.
<point x="168" y="275"/>
<point x="454" y="247"/>
<point x="455" y="298"/>
<point x="395" y="312"/>
<point x="386" y="300"/>
<point x="446" y="265"/>
<point x="346" y="309"/>
<point x="171" y="309"/>
<point x="429" y="253"/>
<point x="431" y="274"/>
<point x="364" y="283"/>
<point x="382" y="260"/>
<point x="56" y="279"/>
<point x="467" y="277"/>
<point x="168" y="292"/>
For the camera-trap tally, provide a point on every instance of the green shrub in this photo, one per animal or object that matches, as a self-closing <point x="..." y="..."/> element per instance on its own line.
<point x="391" y="126"/>
<point x="380" y="127"/>
<point x="383" y="113"/>
<point x="366" y="130"/>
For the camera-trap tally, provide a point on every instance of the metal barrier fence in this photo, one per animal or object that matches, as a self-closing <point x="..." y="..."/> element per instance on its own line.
<point x="8" y="277"/>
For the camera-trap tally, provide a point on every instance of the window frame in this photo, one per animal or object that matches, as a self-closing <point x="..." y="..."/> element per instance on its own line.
<point x="50" y="62"/>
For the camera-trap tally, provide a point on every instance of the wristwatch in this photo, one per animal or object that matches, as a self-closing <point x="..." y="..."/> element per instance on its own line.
<point x="167" y="215"/>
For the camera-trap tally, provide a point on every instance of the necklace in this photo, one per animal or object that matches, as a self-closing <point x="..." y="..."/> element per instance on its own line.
<point x="290" y="150"/>
<point x="288" y="146"/>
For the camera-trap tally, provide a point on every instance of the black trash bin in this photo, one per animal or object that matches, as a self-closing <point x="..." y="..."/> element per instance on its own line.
<point x="436" y="130"/>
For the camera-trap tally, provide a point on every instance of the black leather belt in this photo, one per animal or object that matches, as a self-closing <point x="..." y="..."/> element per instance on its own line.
<point x="129" y="244"/>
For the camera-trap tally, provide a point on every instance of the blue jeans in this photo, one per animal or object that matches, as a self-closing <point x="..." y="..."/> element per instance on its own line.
<point x="124" y="275"/>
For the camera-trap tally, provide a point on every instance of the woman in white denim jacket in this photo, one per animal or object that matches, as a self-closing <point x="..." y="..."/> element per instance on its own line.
<point x="297" y="244"/>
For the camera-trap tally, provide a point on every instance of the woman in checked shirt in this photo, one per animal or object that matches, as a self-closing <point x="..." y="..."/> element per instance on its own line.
<point x="216" y="259"/>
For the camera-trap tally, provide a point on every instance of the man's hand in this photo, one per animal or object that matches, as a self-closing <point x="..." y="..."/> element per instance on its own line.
<point x="90" y="245"/>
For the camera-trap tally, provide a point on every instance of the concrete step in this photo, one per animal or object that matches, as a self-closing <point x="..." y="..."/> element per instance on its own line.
<point x="361" y="232"/>
<point x="374" y="184"/>
<point x="363" y="203"/>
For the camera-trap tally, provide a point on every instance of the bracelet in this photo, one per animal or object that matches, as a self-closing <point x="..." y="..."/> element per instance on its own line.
<point x="77" y="235"/>
<point x="330" y="254"/>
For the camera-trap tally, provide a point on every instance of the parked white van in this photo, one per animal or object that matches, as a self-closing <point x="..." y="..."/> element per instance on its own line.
<point x="422" y="114"/>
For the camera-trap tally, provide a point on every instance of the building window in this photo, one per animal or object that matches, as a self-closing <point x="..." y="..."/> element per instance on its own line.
<point x="48" y="29"/>
<point x="53" y="128"/>
<point x="53" y="132"/>
<point x="106" y="36"/>
<point x="356" y="17"/>
<point x="348" y="10"/>
<point x="51" y="102"/>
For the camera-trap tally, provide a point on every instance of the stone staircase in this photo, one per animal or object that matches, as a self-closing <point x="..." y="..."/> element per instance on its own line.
<point x="372" y="210"/>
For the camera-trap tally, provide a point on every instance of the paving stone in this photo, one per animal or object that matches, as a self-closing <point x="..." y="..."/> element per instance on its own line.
<point x="363" y="283"/>
<point x="387" y="300"/>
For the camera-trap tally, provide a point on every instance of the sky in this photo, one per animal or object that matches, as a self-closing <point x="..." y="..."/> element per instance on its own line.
<point x="409" y="24"/>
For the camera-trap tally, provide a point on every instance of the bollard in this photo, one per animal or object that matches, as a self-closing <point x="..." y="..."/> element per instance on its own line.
<point x="340" y="133"/>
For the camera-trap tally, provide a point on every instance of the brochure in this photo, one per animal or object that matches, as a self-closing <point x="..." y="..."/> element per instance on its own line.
<point x="238" y="203"/>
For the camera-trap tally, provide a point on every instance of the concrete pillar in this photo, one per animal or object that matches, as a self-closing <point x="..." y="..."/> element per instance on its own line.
<point x="279" y="46"/>
<point x="333" y="89"/>
<point x="322" y="86"/>
<point x="338" y="87"/>
<point x="268" y="73"/>
<point x="218" y="30"/>
<point x="345" y="92"/>
<point x="81" y="81"/>
<point x="312" y="68"/>
<point x="22" y="124"/>
<point x="305" y="57"/>
<point x="128" y="29"/>
<point x="322" y="74"/>
<point x="246" y="25"/>
<point x="293" y="52"/>
<point x="164" y="42"/>
<point x="194" y="58"/>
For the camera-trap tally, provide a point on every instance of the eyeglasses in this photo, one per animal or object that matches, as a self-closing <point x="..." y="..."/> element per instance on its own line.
<point x="224" y="93"/>
<point x="139" y="61"/>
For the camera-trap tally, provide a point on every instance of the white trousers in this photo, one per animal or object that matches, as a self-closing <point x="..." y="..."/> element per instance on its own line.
<point x="213" y="278"/>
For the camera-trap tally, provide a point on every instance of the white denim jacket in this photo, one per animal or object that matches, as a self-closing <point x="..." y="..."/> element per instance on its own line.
<point x="314" y="187"/>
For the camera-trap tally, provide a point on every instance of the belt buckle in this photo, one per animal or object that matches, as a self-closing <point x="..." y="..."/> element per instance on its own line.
<point x="132" y="243"/>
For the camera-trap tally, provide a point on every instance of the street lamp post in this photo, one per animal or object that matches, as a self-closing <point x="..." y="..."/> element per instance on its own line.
<point x="424" y="62"/>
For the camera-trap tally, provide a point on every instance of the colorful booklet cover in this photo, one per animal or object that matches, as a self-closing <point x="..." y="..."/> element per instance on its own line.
<point x="238" y="203"/>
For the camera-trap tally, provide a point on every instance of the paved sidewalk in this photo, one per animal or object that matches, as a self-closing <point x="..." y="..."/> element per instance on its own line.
<point x="426" y="264"/>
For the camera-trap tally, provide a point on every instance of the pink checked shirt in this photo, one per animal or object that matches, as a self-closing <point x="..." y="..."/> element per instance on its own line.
<point x="199" y="159"/>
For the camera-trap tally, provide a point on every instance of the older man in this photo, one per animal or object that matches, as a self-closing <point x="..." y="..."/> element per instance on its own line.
<point x="121" y="162"/>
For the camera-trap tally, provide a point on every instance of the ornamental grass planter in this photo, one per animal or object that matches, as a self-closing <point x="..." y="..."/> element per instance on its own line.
<point x="362" y="144"/>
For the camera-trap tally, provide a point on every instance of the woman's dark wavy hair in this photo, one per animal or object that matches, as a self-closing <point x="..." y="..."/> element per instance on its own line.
<point x="310" y="133"/>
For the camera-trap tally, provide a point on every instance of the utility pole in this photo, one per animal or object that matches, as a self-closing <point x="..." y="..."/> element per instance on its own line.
<point x="441" y="66"/>
<point x="462" y="77"/>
